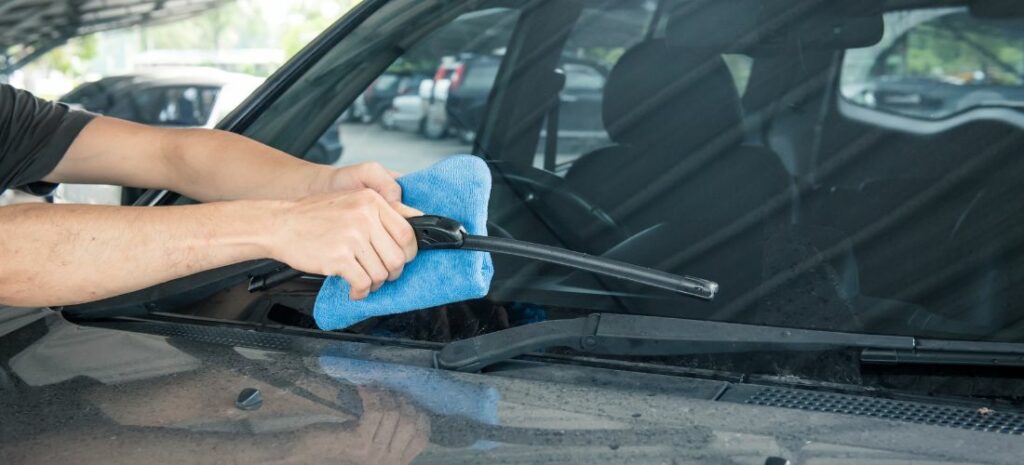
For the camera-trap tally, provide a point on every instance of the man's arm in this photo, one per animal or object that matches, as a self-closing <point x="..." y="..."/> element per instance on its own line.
<point x="207" y="165"/>
<point x="67" y="254"/>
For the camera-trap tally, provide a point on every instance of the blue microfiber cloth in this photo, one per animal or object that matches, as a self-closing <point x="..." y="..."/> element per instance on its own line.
<point x="457" y="187"/>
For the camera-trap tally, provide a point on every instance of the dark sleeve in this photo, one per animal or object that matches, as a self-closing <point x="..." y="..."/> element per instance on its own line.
<point x="34" y="135"/>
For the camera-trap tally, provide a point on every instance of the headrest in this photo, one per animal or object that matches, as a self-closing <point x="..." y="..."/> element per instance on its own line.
<point x="656" y="95"/>
<point x="764" y="26"/>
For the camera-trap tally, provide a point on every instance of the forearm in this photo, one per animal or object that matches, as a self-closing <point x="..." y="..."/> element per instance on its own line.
<point x="203" y="164"/>
<point x="213" y="165"/>
<point x="67" y="254"/>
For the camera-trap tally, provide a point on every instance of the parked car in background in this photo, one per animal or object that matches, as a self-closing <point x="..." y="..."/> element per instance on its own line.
<point x="579" y="100"/>
<point x="406" y="113"/>
<point x="173" y="98"/>
<point x="434" y="95"/>
<point x="467" y="95"/>
<point x="377" y="98"/>
<point x="96" y="96"/>
<point x="185" y="101"/>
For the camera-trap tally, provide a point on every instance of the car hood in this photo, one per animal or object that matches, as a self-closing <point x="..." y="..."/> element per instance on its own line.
<point x="144" y="391"/>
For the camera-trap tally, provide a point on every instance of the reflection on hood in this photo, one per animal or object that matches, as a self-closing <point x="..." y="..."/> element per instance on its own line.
<point x="110" y="357"/>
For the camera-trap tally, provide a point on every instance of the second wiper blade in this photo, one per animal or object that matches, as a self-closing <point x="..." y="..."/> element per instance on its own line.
<point x="436" y="232"/>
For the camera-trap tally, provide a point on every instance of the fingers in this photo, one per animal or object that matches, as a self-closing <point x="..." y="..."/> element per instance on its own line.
<point x="405" y="210"/>
<point x="373" y="266"/>
<point x="373" y="410"/>
<point x="399" y="229"/>
<point x="358" y="279"/>
<point x="374" y="176"/>
<point x="357" y="235"/>
<point x="412" y="432"/>
<point x="388" y="423"/>
<point x="419" y="441"/>
<point x="392" y="244"/>
<point x="391" y="254"/>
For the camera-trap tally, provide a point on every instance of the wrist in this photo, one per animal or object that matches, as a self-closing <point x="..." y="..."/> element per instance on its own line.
<point x="324" y="179"/>
<point x="252" y="227"/>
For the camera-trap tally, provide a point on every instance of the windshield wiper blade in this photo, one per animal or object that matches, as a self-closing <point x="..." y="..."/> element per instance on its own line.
<point x="436" y="232"/>
<point x="641" y="335"/>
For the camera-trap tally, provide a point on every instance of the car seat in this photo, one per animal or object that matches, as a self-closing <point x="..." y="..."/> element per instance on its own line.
<point x="678" y="160"/>
<point x="675" y="119"/>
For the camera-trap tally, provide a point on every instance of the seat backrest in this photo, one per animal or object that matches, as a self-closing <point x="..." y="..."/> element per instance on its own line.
<point x="675" y="118"/>
<point x="659" y="104"/>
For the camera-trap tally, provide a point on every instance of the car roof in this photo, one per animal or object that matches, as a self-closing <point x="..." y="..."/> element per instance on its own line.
<point x="221" y="79"/>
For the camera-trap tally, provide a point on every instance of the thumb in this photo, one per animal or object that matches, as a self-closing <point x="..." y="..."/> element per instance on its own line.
<point x="405" y="210"/>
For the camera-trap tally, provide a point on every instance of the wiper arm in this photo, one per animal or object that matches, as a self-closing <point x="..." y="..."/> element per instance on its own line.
<point x="615" y="334"/>
<point x="436" y="232"/>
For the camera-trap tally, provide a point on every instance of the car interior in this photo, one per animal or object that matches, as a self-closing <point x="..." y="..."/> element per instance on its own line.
<point x="736" y="144"/>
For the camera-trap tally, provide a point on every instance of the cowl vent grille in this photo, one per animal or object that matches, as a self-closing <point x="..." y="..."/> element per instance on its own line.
<point x="913" y="412"/>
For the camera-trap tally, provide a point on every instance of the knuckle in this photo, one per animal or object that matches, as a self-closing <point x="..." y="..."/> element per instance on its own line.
<point x="366" y="194"/>
<point x="360" y="283"/>
<point x="395" y="263"/>
<point x="350" y="236"/>
<point x="405" y="235"/>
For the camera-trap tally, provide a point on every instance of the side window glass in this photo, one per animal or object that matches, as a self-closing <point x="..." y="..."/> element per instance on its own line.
<point x="142" y="105"/>
<point x="429" y="103"/>
<point x="178" y="108"/>
<point x="186" y="106"/>
<point x="124" y="107"/>
<point x="933" y="64"/>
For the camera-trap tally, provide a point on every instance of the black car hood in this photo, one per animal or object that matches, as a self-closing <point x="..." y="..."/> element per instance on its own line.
<point x="82" y="394"/>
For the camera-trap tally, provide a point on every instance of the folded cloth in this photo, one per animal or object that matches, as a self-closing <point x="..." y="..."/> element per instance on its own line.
<point x="458" y="187"/>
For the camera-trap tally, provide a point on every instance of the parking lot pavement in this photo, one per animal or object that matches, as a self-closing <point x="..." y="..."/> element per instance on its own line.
<point x="397" y="150"/>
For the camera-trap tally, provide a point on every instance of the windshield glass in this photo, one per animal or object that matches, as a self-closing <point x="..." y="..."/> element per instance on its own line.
<point x="832" y="165"/>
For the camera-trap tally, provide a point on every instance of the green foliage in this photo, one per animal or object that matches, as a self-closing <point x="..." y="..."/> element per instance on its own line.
<point x="216" y="29"/>
<point x="70" y="58"/>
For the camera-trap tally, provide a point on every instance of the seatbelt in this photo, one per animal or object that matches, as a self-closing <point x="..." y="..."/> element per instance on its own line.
<point x="551" y="141"/>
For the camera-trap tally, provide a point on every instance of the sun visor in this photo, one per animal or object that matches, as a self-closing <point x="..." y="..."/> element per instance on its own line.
<point x="761" y="26"/>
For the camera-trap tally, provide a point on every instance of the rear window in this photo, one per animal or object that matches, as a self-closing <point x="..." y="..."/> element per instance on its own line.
<point x="933" y="64"/>
<point x="583" y="77"/>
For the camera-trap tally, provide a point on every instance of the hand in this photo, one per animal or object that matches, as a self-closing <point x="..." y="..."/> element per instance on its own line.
<point x="391" y="431"/>
<point x="370" y="175"/>
<point x="357" y="235"/>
